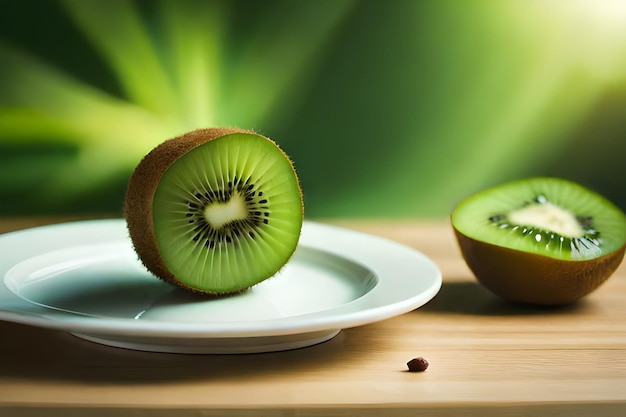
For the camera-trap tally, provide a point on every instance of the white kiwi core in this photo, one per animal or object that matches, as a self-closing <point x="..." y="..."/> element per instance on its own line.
<point x="219" y="214"/>
<point x="548" y="216"/>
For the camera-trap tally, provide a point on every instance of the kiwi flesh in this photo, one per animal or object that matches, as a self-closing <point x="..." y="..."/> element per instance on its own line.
<point x="214" y="211"/>
<point x="541" y="240"/>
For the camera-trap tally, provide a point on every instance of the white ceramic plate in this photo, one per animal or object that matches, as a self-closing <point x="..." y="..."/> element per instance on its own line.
<point x="84" y="278"/>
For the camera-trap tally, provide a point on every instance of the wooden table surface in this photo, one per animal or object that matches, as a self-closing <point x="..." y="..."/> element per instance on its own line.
<point x="486" y="358"/>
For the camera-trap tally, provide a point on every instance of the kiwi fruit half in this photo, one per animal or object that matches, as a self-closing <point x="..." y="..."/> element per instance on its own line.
<point x="540" y="240"/>
<point x="214" y="211"/>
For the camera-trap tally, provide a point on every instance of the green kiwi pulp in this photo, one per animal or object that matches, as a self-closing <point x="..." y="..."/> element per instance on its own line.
<point x="215" y="211"/>
<point x="540" y="240"/>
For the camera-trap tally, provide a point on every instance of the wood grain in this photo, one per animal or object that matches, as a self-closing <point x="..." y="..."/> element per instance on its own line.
<point x="487" y="357"/>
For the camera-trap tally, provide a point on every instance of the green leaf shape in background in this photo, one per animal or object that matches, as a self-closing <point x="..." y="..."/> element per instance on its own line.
<point x="389" y="109"/>
<point x="177" y="71"/>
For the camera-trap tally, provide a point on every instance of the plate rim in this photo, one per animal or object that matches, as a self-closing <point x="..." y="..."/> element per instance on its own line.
<point x="15" y="309"/>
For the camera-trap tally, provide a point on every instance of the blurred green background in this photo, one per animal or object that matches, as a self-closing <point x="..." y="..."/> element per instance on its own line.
<point x="388" y="108"/>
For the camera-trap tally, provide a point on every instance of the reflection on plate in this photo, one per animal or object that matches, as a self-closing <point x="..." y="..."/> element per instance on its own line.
<point x="84" y="278"/>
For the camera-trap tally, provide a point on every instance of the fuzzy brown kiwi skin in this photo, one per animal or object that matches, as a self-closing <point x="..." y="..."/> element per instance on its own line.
<point x="142" y="186"/>
<point x="530" y="278"/>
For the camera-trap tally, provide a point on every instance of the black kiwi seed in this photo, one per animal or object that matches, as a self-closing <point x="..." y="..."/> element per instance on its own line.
<point x="211" y="235"/>
<point x="588" y="240"/>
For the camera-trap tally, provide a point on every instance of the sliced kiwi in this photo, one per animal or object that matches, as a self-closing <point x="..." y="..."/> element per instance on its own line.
<point x="540" y="240"/>
<point x="215" y="211"/>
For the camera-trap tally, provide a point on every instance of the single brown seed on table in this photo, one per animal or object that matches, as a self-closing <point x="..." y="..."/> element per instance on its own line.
<point x="417" y="364"/>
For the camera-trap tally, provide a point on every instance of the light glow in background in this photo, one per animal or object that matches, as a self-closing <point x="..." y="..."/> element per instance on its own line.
<point x="388" y="109"/>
